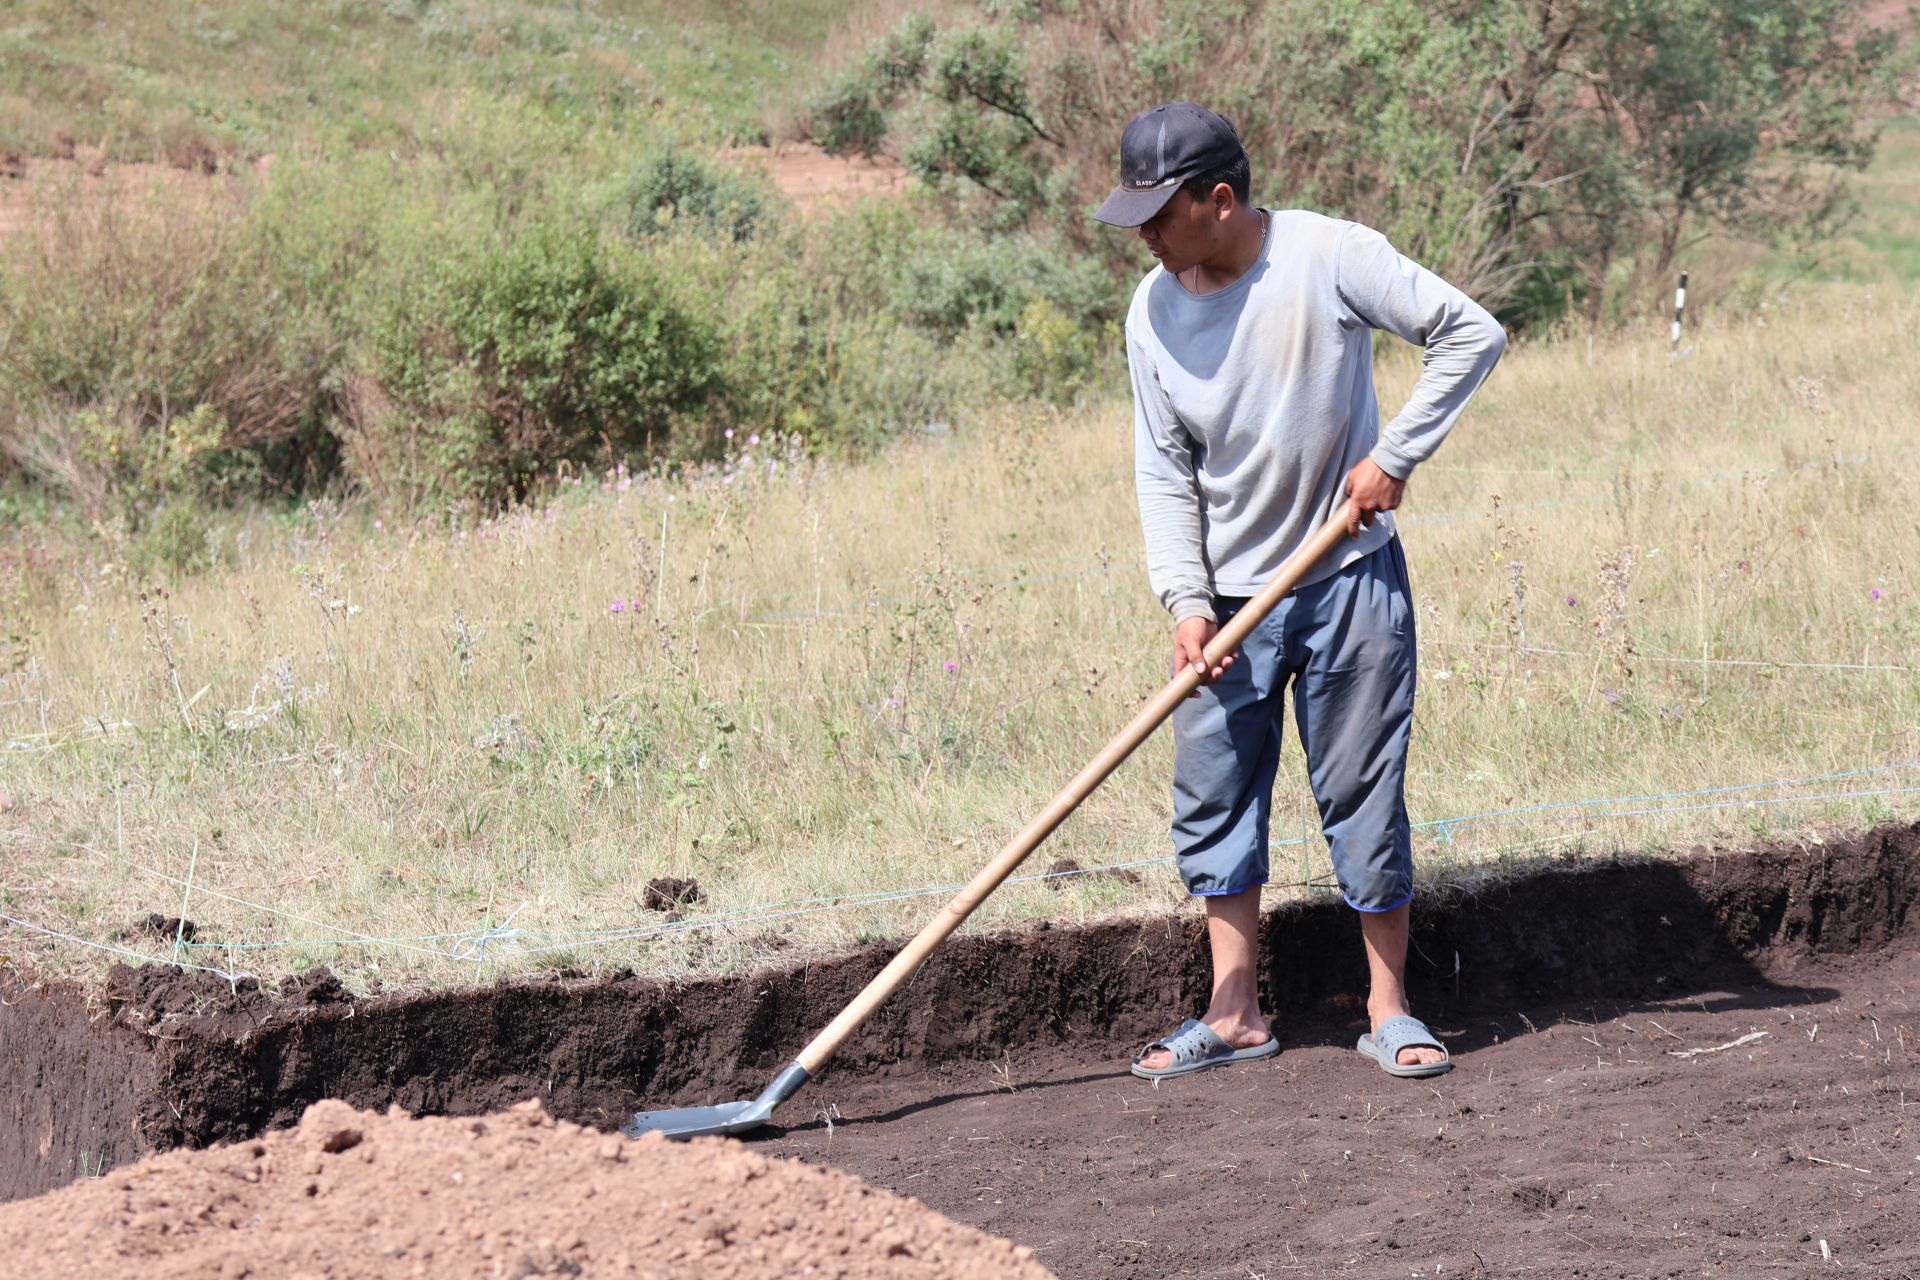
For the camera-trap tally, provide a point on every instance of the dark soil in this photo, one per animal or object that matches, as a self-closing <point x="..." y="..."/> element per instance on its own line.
<point x="163" y="928"/>
<point x="994" y="1087"/>
<point x="1570" y="1140"/>
<point x="670" y="893"/>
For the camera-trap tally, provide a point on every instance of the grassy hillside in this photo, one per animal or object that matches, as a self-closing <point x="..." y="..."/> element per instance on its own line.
<point x="1878" y="243"/>
<point x="1680" y="582"/>
<point x="1662" y="600"/>
<point x="207" y="84"/>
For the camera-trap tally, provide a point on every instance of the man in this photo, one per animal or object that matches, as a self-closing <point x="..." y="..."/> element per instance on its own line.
<point x="1250" y="348"/>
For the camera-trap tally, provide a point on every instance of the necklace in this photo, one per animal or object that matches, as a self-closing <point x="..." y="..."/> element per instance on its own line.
<point x="1266" y="225"/>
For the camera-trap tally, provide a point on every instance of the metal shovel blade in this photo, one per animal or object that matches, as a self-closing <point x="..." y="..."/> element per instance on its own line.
<point x="695" y="1122"/>
<point x="728" y="1117"/>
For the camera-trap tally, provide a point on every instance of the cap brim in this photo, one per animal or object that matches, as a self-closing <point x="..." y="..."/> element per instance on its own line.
<point x="1128" y="207"/>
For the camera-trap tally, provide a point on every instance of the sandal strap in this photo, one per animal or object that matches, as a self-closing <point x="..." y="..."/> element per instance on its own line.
<point x="1193" y="1041"/>
<point x="1405" y="1032"/>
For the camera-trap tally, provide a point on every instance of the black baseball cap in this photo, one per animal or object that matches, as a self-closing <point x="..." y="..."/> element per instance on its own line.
<point x="1161" y="148"/>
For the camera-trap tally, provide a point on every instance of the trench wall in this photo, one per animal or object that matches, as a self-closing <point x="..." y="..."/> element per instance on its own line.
<point x="157" y="1058"/>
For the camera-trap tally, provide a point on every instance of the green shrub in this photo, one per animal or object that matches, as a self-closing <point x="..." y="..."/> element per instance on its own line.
<point x="849" y="114"/>
<point x="179" y="537"/>
<point x="548" y="345"/>
<point x="1472" y="133"/>
<point x="154" y="346"/>
<point x="676" y="188"/>
<point x="1060" y="359"/>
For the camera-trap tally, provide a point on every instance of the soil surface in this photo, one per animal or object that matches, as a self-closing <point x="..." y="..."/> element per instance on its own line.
<point x="357" y="1194"/>
<point x="1571" y="1139"/>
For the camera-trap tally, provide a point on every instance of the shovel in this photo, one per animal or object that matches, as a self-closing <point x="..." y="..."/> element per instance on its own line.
<point x="738" y="1117"/>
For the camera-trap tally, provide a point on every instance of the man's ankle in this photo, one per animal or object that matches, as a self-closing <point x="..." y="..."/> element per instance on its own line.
<point x="1379" y="1010"/>
<point x="1235" y="1018"/>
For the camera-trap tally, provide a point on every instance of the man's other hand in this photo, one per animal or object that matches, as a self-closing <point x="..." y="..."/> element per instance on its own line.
<point x="1372" y="491"/>
<point x="1190" y="639"/>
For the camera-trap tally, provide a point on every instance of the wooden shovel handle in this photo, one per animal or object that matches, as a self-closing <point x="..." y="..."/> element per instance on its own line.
<point x="991" y="876"/>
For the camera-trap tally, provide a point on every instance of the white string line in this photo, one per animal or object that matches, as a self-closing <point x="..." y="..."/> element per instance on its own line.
<point x="748" y="914"/>
<point x="1472" y="818"/>
<point x="724" y="920"/>
<point x="638" y="934"/>
<point x="288" y="915"/>
<point x="484" y="934"/>
<point x="593" y="938"/>
<point x="1678" y="808"/>
<point x="643" y="933"/>
<point x="971" y="680"/>
<point x="1675" y="659"/>
<point x="119" y="951"/>
<point x="836" y="902"/>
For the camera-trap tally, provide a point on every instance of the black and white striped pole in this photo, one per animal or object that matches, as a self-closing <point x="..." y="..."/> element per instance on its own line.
<point x="1679" y="311"/>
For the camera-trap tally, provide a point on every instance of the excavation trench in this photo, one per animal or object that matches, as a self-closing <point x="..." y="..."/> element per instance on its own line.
<point x="155" y="1058"/>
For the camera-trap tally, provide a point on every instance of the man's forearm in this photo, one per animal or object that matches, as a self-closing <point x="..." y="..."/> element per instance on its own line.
<point x="1176" y="562"/>
<point x="1457" y="361"/>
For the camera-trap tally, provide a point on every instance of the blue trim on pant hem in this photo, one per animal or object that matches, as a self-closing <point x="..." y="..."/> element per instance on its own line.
<point x="1374" y="911"/>
<point x="1224" y="893"/>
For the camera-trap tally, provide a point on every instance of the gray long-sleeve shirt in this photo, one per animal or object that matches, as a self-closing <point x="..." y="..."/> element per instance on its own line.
<point x="1251" y="404"/>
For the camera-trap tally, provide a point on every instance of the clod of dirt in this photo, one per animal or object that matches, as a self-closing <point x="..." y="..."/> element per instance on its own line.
<point x="1536" y="1199"/>
<point x="356" y="1193"/>
<point x="669" y="893"/>
<point x="165" y="928"/>
<point x="317" y="985"/>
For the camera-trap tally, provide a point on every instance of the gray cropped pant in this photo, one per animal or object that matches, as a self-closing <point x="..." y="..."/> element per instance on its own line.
<point x="1346" y="645"/>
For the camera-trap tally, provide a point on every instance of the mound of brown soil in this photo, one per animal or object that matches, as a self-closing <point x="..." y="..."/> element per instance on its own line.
<point x="357" y="1194"/>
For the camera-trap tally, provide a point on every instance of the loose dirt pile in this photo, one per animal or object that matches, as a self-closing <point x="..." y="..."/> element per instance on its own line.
<point x="357" y="1194"/>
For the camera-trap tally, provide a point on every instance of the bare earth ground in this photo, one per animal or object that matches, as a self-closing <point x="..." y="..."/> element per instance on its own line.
<point x="1568" y="1142"/>
<point x="27" y="183"/>
<point x="1729" y="1097"/>
<point x="351" y="1193"/>
<point x="800" y="171"/>
<point x="1587" y="1147"/>
<point x="808" y="176"/>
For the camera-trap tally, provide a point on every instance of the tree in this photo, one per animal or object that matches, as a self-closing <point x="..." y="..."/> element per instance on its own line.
<point x="1524" y="148"/>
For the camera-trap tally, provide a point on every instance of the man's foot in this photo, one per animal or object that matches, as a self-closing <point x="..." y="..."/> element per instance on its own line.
<point x="1238" y="1031"/>
<point x="1414" y="1055"/>
<point x="1394" y="1038"/>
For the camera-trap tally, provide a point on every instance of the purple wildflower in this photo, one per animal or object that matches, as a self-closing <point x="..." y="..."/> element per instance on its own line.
<point x="953" y="666"/>
<point x="754" y="439"/>
<point x="1611" y="695"/>
<point x="618" y="606"/>
<point x="1571" y="601"/>
<point x="1875" y="593"/>
<point x="893" y="702"/>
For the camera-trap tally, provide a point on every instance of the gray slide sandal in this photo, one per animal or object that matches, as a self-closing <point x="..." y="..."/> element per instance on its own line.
<point x="1399" y="1033"/>
<point x="1195" y="1047"/>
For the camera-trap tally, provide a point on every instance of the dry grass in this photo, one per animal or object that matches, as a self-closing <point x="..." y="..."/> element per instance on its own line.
<point x="1636" y="576"/>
